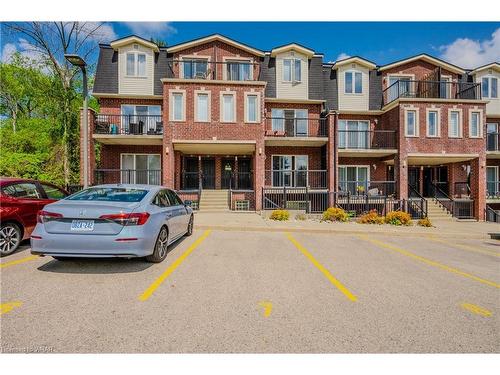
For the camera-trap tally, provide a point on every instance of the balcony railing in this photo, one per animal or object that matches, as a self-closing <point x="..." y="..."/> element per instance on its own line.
<point x="216" y="70"/>
<point x="493" y="142"/>
<point x="493" y="190"/>
<point x="371" y="188"/>
<point x="366" y="139"/>
<point x="315" y="179"/>
<point x="296" y="127"/>
<point x="461" y="190"/>
<point x="431" y="90"/>
<point x="128" y="176"/>
<point x="128" y="124"/>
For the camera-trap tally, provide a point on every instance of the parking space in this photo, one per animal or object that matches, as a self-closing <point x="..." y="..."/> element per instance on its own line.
<point x="232" y="291"/>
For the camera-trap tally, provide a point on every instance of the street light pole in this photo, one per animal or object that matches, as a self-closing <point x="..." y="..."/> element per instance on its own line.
<point x="76" y="60"/>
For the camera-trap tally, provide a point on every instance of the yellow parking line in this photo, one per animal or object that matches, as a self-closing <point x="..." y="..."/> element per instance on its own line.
<point x="476" y="309"/>
<point x="19" y="261"/>
<point x="463" y="247"/>
<point x="150" y="290"/>
<point x="428" y="261"/>
<point x="9" y="306"/>
<point x="323" y="270"/>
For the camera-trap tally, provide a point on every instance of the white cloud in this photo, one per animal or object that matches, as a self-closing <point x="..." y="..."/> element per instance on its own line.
<point x="7" y="51"/>
<point x="23" y="47"/>
<point x="469" y="53"/>
<point x="343" y="56"/>
<point x="151" y="29"/>
<point x="104" y="34"/>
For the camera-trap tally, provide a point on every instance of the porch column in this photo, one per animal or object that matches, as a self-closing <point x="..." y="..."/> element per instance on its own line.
<point x="451" y="179"/>
<point x="90" y="147"/>
<point x="218" y="172"/>
<point x="235" y="172"/>
<point x="259" y="167"/>
<point x="421" y="180"/>
<point x="331" y="158"/>
<point x="401" y="176"/>
<point x="168" y="165"/>
<point x="199" y="171"/>
<point x="478" y="185"/>
<point x="178" y="169"/>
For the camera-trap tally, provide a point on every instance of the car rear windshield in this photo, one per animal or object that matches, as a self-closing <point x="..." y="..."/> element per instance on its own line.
<point x="109" y="194"/>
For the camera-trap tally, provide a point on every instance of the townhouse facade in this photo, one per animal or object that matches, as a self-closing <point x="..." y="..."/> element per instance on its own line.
<point x="235" y="127"/>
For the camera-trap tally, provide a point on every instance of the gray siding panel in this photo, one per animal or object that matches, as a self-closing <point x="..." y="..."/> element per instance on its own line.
<point x="375" y="90"/>
<point x="106" y="75"/>
<point x="160" y="71"/>
<point x="316" y="78"/>
<point x="268" y="74"/>
<point x="330" y="88"/>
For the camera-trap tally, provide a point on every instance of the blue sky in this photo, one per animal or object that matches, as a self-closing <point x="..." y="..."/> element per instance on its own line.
<point x="467" y="44"/>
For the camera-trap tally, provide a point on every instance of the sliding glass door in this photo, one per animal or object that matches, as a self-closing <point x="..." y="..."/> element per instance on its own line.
<point x="353" y="179"/>
<point x="140" y="169"/>
<point x="289" y="170"/>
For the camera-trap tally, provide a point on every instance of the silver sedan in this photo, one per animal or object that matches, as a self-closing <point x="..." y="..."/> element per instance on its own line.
<point x="118" y="220"/>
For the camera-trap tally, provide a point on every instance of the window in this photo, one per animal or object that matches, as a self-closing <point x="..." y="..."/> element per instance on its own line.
<point x="228" y="108"/>
<point x="238" y="71"/>
<point x="161" y="199"/>
<point x="109" y="194"/>
<point x="140" y="169"/>
<point x="174" y="198"/>
<point x="454" y="123"/>
<point x="493" y="137"/>
<point x="353" y="83"/>
<point x="490" y="87"/>
<point x="202" y="107"/>
<point x="445" y="87"/>
<point x="354" y="134"/>
<point x="195" y="68"/>
<point x="140" y="119"/>
<point x="433" y="123"/>
<point x="475" y="124"/>
<point x="399" y="87"/>
<point x="353" y="179"/>
<point x="492" y="182"/>
<point x="52" y="192"/>
<point x="411" y="123"/>
<point x="24" y="190"/>
<point x="292" y="69"/>
<point x="252" y="112"/>
<point x="177" y="107"/>
<point x="136" y="64"/>
<point x="289" y="170"/>
<point x="293" y="122"/>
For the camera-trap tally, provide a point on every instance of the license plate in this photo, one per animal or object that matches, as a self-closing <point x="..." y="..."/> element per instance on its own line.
<point x="82" y="225"/>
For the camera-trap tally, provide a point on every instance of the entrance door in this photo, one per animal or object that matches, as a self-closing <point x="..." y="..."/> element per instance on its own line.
<point x="208" y="173"/>
<point x="245" y="174"/>
<point x="414" y="180"/>
<point x="190" y="178"/>
<point x="441" y="179"/>
<point x="428" y="179"/>
<point x="227" y="170"/>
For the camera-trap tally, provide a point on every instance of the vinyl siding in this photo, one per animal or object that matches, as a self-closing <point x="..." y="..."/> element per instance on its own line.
<point x="289" y="90"/>
<point x="135" y="85"/>
<point x="493" y="106"/>
<point x="353" y="102"/>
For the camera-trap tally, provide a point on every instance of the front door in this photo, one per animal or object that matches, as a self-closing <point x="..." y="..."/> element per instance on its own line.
<point x="245" y="174"/>
<point x="414" y="180"/>
<point x="227" y="170"/>
<point x="428" y="179"/>
<point x="190" y="173"/>
<point x="208" y="173"/>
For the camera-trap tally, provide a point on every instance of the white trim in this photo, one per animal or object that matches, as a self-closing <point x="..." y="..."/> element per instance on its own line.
<point x="229" y="59"/>
<point x="258" y="109"/>
<point x="221" y="107"/>
<point x="489" y="77"/>
<point x="353" y="72"/>
<point x="460" y="123"/>
<point x="171" y="104"/>
<point x="427" y="58"/>
<point x="192" y="57"/>
<point x="356" y="60"/>
<point x="209" y="105"/>
<point x="136" y="64"/>
<point x="133" y="39"/>
<point x="438" y="122"/>
<point x="417" y="122"/>
<point x="135" y="163"/>
<point x="292" y="47"/>
<point x="494" y="66"/>
<point x="479" y="125"/>
<point x="368" y="168"/>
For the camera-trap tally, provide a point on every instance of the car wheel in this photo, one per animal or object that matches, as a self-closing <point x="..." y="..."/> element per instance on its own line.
<point x="190" y="226"/>
<point x="161" y="245"/>
<point x="10" y="238"/>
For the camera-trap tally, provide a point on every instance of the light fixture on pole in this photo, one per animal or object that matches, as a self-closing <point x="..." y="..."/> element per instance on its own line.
<point x="76" y="60"/>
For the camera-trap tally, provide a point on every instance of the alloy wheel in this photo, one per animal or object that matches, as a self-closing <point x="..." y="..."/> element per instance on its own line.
<point x="9" y="239"/>
<point x="162" y="243"/>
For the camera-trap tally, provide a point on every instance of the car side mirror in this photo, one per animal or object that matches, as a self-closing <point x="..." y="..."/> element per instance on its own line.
<point x="188" y="203"/>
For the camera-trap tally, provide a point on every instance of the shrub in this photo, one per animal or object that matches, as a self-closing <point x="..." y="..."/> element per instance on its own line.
<point x="425" y="222"/>
<point x="335" y="214"/>
<point x="301" y="217"/>
<point x="281" y="215"/>
<point x="398" y="218"/>
<point x="371" y="217"/>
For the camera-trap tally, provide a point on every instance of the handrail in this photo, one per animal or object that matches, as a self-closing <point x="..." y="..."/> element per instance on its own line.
<point x="423" y="202"/>
<point x="446" y="201"/>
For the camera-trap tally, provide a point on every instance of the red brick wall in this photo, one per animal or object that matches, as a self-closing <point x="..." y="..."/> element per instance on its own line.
<point x="378" y="169"/>
<point x="110" y="154"/>
<point x="313" y="113"/>
<point x="419" y="68"/>
<point x="112" y="106"/>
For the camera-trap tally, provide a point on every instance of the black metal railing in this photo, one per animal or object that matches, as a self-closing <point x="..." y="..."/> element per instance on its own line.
<point x="431" y="89"/>
<point x="461" y="190"/>
<point x="442" y="198"/>
<point x="416" y="205"/>
<point x="316" y="179"/>
<point x="493" y="189"/>
<point x="296" y="127"/>
<point x="461" y="208"/>
<point x="293" y="198"/>
<point x="128" y="124"/>
<point x="190" y="180"/>
<point x="366" y="139"/>
<point x="371" y="188"/>
<point x="360" y="204"/>
<point x="198" y="68"/>
<point x="492" y="215"/>
<point x="493" y="142"/>
<point x="128" y="176"/>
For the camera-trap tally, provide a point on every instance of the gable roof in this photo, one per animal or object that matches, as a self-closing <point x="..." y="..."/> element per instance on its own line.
<point x="494" y="65"/>
<point x="425" y="57"/>
<point x="292" y="47"/>
<point x="211" y="38"/>
<point x="354" y="59"/>
<point x="115" y="44"/>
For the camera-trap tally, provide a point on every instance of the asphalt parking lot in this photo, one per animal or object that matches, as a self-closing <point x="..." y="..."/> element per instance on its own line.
<point x="231" y="291"/>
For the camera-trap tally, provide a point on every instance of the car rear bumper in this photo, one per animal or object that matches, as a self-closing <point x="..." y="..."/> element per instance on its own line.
<point x="131" y="242"/>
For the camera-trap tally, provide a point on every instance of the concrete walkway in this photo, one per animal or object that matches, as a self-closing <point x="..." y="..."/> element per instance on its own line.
<point x="239" y="221"/>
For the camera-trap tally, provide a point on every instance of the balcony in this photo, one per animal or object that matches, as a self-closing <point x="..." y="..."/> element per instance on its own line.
<point x="127" y="176"/>
<point x="431" y="90"/>
<point x="314" y="179"/>
<point x="361" y="143"/>
<point x="369" y="188"/>
<point x="493" y="191"/>
<point x="493" y="142"/>
<point x="203" y="69"/>
<point x="281" y="131"/>
<point x="128" y="129"/>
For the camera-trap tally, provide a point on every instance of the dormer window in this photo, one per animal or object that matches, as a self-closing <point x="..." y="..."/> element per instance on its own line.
<point x="353" y="82"/>
<point x="292" y="70"/>
<point x="136" y="64"/>
<point x="490" y="87"/>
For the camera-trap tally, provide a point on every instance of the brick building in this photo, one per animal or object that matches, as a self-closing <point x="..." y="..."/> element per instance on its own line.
<point x="264" y="129"/>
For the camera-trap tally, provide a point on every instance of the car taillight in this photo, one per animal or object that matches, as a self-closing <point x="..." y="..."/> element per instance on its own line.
<point x="138" y="218"/>
<point x="45" y="216"/>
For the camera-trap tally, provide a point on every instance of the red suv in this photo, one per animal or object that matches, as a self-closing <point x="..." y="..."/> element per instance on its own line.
<point x="20" y="200"/>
